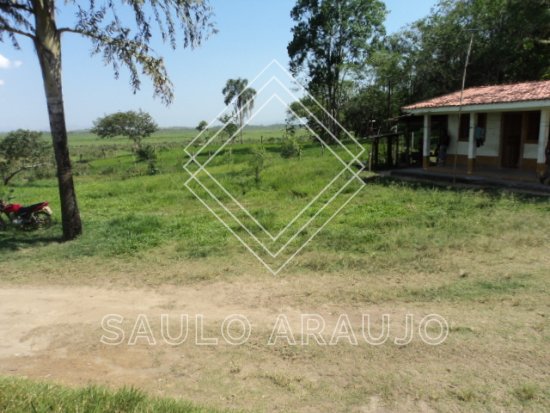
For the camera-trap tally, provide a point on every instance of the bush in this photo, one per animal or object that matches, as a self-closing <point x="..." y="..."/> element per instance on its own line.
<point x="291" y="148"/>
<point x="21" y="150"/>
<point x="146" y="153"/>
<point x="44" y="172"/>
<point x="257" y="162"/>
<point x="152" y="168"/>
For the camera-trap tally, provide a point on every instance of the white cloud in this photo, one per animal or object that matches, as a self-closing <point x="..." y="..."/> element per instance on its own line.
<point x="6" y="63"/>
<point x="1" y="82"/>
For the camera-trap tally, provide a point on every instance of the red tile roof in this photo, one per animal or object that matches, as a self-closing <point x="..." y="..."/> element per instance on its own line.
<point x="517" y="92"/>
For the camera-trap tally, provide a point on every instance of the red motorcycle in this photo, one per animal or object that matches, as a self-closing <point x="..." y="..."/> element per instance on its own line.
<point x="26" y="217"/>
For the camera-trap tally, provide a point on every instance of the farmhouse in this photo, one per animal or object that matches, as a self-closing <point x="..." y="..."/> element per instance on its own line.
<point x="502" y="126"/>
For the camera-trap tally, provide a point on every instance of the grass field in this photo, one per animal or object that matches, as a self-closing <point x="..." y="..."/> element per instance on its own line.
<point x="23" y="396"/>
<point x="479" y="258"/>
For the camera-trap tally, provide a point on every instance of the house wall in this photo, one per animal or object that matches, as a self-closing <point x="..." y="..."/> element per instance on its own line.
<point x="491" y="147"/>
<point x="492" y="140"/>
<point x="489" y="153"/>
<point x="512" y="147"/>
<point x="530" y="151"/>
<point x="453" y="133"/>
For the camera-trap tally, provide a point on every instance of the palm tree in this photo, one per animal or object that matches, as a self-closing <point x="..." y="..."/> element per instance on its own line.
<point x="237" y="92"/>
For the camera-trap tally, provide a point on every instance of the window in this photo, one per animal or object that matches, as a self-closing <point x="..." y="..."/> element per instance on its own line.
<point x="464" y="128"/>
<point x="532" y="127"/>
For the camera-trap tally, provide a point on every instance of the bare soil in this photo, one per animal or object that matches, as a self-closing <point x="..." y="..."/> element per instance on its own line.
<point x="494" y="359"/>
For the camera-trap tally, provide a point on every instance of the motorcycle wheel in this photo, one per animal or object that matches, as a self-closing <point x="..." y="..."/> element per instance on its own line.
<point x="42" y="220"/>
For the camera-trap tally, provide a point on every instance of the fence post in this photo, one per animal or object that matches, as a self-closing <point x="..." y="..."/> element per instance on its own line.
<point x="426" y="142"/>
<point x="389" y="150"/>
<point x="397" y="150"/>
<point x="370" y="160"/>
<point x="375" y="151"/>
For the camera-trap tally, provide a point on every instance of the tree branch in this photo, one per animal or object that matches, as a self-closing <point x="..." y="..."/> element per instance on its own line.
<point x="77" y="31"/>
<point x="86" y="33"/>
<point x="16" y="31"/>
<point x="15" y="6"/>
<point x="9" y="177"/>
<point x="68" y="29"/>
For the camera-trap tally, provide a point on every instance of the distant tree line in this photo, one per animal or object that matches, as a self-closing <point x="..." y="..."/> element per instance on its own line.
<point x="363" y="76"/>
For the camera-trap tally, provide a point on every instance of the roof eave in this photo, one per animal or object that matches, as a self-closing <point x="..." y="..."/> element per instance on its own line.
<point x="483" y="107"/>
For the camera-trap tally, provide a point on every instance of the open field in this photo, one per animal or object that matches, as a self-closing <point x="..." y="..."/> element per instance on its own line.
<point x="479" y="259"/>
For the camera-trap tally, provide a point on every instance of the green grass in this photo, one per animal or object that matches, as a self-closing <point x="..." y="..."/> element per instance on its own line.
<point x="392" y="226"/>
<point x="25" y="396"/>
<point x="468" y="290"/>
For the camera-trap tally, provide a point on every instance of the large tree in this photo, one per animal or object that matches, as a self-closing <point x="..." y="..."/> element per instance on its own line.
<point x="122" y="42"/>
<point x="133" y="125"/>
<point x="331" y="39"/>
<point x="366" y="112"/>
<point x="511" y="44"/>
<point x="237" y="92"/>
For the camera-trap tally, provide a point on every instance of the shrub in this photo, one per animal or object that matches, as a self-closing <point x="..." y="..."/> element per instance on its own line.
<point x="291" y="148"/>
<point x="152" y="168"/>
<point x="257" y="162"/>
<point x="146" y="153"/>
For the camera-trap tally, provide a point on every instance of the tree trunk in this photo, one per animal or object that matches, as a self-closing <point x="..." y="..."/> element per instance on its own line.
<point x="389" y="100"/>
<point x="241" y="122"/>
<point x="48" y="49"/>
<point x="333" y="108"/>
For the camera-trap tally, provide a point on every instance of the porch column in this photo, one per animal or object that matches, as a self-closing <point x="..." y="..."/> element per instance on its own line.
<point x="543" y="139"/>
<point x="472" y="143"/>
<point x="426" y="141"/>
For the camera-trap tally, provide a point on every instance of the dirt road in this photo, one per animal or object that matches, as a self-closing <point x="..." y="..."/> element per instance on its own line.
<point x="56" y="333"/>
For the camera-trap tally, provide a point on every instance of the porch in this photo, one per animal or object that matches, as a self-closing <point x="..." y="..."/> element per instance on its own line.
<point x="488" y="129"/>
<point x="516" y="180"/>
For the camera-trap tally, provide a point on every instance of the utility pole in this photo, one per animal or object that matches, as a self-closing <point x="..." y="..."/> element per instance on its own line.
<point x="462" y="97"/>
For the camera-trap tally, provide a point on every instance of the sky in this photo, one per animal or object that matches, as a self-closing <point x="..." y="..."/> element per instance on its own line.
<point x="252" y="34"/>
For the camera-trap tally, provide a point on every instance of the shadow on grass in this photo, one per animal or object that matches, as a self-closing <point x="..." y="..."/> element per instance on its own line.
<point x="492" y="191"/>
<point x="13" y="240"/>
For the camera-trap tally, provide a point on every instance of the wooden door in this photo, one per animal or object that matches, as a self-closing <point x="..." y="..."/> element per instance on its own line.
<point x="511" y="139"/>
